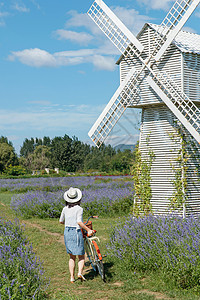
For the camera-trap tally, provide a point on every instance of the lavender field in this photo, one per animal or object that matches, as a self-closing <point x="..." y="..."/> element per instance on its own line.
<point x="101" y="195"/>
<point x="169" y="245"/>
<point x="21" y="272"/>
<point x="56" y="183"/>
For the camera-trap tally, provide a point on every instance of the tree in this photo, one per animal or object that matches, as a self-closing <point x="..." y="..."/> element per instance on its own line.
<point x="62" y="153"/>
<point x="46" y="141"/>
<point x="122" y="161"/>
<point x="79" y="152"/>
<point x="99" y="158"/>
<point x="7" y="156"/>
<point x="4" y="139"/>
<point x="38" y="160"/>
<point x="28" y="147"/>
<point x="41" y="158"/>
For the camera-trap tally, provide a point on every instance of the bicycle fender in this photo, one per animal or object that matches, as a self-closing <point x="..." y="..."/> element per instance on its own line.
<point x="97" y="249"/>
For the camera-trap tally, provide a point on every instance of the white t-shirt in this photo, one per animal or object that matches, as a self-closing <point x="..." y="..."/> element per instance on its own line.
<point x="72" y="216"/>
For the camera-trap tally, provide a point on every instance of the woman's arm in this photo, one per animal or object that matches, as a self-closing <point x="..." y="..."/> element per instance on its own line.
<point x="62" y="217"/>
<point x="83" y="226"/>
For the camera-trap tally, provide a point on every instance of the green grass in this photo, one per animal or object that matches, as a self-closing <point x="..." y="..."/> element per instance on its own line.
<point x="46" y="237"/>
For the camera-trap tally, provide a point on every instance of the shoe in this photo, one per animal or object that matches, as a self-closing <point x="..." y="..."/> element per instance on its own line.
<point x="72" y="280"/>
<point x="81" y="277"/>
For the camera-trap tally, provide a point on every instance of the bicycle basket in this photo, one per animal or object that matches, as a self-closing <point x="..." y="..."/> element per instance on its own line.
<point x="84" y="232"/>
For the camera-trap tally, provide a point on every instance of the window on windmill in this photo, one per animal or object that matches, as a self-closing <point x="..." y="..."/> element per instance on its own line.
<point x="194" y="86"/>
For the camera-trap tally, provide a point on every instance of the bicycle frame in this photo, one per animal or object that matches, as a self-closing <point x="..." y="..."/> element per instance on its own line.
<point x="93" y="253"/>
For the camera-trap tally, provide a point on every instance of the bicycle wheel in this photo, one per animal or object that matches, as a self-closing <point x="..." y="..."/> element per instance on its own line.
<point x="98" y="260"/>
<point x="89" y="253"/>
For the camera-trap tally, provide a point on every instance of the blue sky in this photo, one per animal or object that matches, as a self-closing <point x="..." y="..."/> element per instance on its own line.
<point x="58" y="70"/>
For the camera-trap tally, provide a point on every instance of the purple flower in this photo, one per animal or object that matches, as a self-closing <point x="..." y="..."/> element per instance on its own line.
<point x="166" y="243"/>
<point x="20" y="270"/>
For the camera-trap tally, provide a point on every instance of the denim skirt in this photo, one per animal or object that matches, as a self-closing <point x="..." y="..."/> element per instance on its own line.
<point x="74" y="242"/>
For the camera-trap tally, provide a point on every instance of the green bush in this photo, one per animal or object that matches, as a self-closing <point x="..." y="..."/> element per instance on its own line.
<point x="106" y="208"/>
<point x="15" y="170"/>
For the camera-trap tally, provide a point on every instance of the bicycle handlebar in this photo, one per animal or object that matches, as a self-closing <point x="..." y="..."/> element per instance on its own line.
<point x="91" y="217"/>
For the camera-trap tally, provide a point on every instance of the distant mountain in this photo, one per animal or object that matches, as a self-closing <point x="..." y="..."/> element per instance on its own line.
<point x="123" y="147"/>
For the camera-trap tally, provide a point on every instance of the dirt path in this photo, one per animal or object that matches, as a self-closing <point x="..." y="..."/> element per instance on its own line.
<point x="156" y="295"/>
<point x="61" y="236"/>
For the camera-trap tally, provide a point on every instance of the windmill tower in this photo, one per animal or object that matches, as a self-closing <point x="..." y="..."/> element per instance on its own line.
<point x="160" y="73"/>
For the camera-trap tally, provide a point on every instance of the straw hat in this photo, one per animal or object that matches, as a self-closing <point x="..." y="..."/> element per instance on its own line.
<point x="73" y="195"/>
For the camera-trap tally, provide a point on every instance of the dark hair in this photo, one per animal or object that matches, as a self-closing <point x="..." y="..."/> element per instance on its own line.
<point x="73" y="204"/>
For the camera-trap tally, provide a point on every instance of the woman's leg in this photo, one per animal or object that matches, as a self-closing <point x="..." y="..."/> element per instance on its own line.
<point x="81" y="261"/>
<point x="72" y="266"/>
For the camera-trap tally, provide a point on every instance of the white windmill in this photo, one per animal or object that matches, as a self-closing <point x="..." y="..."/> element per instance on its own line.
<point x="160" y="73"/>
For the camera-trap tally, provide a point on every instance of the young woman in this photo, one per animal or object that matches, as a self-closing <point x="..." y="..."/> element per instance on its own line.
<point x="72" y="217"/>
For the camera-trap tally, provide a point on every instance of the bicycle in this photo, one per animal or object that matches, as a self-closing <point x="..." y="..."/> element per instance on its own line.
<point x="92" y="249"/>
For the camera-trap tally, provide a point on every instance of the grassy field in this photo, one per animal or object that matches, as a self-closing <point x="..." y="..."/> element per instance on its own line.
<point x="46" y="237"/>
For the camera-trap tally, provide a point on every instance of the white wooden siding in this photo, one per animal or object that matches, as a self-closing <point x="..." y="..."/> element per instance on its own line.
<point x="191" y="79"/>
<point x="159" y="127"/>
<point x="159" y="134"/>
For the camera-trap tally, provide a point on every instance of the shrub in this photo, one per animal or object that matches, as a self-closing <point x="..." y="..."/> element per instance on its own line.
<point x="15" y="170"/>
<point x="168" y="244"/>
<point x="105" y="207"/>
<point x="21" y="272"/>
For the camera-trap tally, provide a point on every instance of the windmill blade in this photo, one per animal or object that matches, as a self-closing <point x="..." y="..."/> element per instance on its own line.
<point x="113" y="28"/>
<point x="178" y="102"/>
<point x="127" y="93"/>
<point x="172" y="24"/>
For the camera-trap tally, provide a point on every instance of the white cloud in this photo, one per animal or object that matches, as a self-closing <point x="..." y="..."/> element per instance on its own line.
<point x="102" y="56"/>
<point x="78" y="37"/>
<point x="20" y="7"/>
<point x="157" y="4"/>
<point x="54" y="118"/>
<point x="103" y="62"/>
<point x="74" y="53"/>
<point x="35" y="3"/>
<point x="34" y="58"/>
<point x="41" y="58"/>
<point x="131" y="18"/>
<point x="3" y="15"/>
<point x="60" y="119"/>
<point x="81" y="20"/>
<point x="98" y="58"/>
